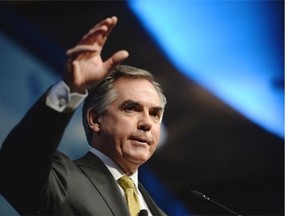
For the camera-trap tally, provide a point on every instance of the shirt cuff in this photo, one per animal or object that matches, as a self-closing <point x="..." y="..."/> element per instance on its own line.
<point x="61" y="99"/>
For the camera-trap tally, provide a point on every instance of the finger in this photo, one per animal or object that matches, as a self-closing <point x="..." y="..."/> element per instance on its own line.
<point x="81" y="48"/>
<point x="115" y="59"/>
<point x="103" y="25"/>
<point x="106" y="22"/>
<point x="113" y="23"/>
<point x="88" y="38"/>
<point x="100" y="32"/>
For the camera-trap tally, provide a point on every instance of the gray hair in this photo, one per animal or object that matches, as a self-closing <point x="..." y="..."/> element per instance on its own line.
<point x="103" y="94"/>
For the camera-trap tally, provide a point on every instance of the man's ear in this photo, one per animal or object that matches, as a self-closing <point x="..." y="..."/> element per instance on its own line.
<point x="93" y="120"/>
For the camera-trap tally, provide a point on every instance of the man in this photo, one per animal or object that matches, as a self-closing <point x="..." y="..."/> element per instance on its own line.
<point x="122" y="113"/>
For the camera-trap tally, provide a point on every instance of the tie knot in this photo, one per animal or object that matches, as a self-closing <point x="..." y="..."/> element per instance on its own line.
<point x="126" y="182"/>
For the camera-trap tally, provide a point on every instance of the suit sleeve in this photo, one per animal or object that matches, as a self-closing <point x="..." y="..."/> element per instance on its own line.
<point x="26" y="156"/>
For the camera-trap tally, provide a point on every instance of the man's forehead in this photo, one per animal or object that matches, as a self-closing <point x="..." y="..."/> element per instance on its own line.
<point x="138" y="90"/>
<point x="141" y="101"/>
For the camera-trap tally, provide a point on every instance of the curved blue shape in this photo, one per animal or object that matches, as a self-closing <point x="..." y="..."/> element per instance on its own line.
<point x="235" y="49"/>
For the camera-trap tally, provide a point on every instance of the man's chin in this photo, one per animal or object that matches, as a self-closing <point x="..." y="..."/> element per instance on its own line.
<point x="138" y="159"/>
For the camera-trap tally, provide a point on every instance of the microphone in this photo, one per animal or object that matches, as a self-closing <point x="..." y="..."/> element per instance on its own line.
<point x="143" y="212"/>
<point x="202" y="196"/>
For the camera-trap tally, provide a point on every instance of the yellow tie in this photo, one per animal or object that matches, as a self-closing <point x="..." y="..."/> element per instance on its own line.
<point x="130" y="193"/>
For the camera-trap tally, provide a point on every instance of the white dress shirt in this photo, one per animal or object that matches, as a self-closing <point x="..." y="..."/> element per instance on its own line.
<point x="117" y="173"/>
<point x="60" y="98"/>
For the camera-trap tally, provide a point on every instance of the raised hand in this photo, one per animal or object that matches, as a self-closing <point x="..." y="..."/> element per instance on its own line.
<point x="85" y="67"/>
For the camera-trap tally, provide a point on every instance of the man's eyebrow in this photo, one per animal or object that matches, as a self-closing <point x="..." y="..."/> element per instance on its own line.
<point x="157" y="109"/>
<point x="130" y="103"/>
<point x="137" y="104"/>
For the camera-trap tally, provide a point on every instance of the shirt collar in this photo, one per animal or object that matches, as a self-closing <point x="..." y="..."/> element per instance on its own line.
<point x="113" y="167"/>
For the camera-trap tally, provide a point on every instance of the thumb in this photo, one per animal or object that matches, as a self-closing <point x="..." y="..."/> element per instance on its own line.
<point x="116" y="59"/>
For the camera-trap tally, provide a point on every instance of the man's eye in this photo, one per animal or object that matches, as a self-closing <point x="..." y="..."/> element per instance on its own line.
<point x="156" y="114"/>
<point x="129" y="108"/>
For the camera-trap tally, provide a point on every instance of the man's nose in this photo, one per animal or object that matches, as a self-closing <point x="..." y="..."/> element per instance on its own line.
<point x="145" y="122"/>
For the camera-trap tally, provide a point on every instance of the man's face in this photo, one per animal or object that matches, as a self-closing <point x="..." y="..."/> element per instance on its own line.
<point x="130" y="127"/>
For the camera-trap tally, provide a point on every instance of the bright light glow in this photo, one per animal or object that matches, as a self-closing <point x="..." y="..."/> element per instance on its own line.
<point x="232" y="48"/>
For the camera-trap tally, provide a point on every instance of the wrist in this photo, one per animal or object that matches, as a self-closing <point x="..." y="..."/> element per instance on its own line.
<point x="73" y="87"/>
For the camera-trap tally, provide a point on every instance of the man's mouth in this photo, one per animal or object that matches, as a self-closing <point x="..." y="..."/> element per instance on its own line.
<point x="144" y="140"/>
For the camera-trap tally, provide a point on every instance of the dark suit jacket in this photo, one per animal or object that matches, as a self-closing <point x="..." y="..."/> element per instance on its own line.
<point x="36" y="179"/>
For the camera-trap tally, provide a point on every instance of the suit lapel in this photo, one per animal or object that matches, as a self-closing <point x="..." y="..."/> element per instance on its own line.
<point x="155" y="210"/>
<point x="104" y="183"/>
